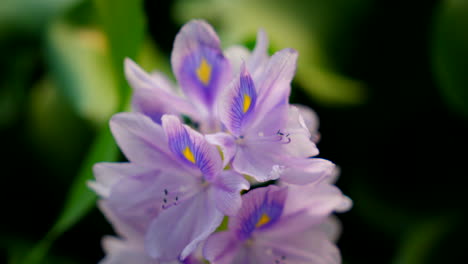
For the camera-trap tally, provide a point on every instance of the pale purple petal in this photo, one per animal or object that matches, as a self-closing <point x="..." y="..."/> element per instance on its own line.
<point x="199" y="64"/>
<point x="311" y="121"/>
<point x="309" y="205"/>
<point x="227" y="144"/>
<point x="153" y="94"/>
<point x="141" y="140"/>
<point x="227" y="191"/>
<point x="191" y="147"/>
<point x="298" y="136"/>
<point x="309" y="246"/>
<point x="221" y="248"/>
<point x="176" y="232"/>
<point x="274" y="84"/>
<point x="138" y="199"/>
<point x="238" y="103"/>
<point x="123" y="228"/>
<point x="259" y="161"/>
<point x="332" y="228"/>
<point x="305" y="171"/>
<point x="107" y="174"/>
<point x="259" y="56"/>
<point x="121" y="251"/>
<point x="237" y="55"/>
<point x="268" y="124"/>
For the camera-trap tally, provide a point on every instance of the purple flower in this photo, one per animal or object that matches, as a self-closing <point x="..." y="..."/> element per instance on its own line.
<point x="173" y="189"/>
<point x="201" y="70"/>
<point x="281" y="225"/>
<point x="268" y="138"/>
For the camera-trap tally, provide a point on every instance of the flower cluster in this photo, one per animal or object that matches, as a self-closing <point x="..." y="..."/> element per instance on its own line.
<point x="192" y="153"/>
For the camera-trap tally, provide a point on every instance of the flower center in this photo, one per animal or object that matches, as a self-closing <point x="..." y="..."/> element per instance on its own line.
<point x="204" y="72"/>
<point x="264" y="219"/>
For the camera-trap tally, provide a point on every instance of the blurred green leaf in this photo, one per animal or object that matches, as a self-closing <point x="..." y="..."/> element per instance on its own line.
<point x="31" y="15"/>
<point x="151" y="58"/>
<point x="80" y="61"/>
<point x="16" y="248"/>
<point x="125" y="36"/>
<point x="54" y="130"/>
<point x="14" y="81"/>
<point x="124" y="24"/>
<point x="450" y="53"/>
<point x="80" y="198"/>
<point x="421" y="239"/>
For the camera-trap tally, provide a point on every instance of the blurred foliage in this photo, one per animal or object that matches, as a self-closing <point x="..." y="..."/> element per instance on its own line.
<point x="30" y="15"/>
<point x="450" y="53"/>
<point x="387" y="78"/>
<point x="79" y="58"/>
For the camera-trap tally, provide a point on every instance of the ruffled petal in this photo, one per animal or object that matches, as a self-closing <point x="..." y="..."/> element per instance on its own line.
<point x="120" y="251"/>
<point x="259" y="56"/>
<point x="298" y="136"/>
<point x="274" y="84"/>
<point x="107" y="174"/>
<point x="259" y="161"/>
<point x="310" y="205"/>
<point x="176" y="232"/>
<point x="221" y="248"/>
<point x="268" y="124"/>
<point x="238" y="103"/>
<point x="123" y="228"/>
<point x="227" y="144"/>
<point x="153" y="94"/>
<point x="237" y="55"/>
<point x="305" y="171"/>
<point x="199" y="64"/>
<point x="138" y="199"/>
<point x="141" y="140"/>
<point x="227" y="191"/>
<point x="309" y="246"/>
<point x="332" y="228"/>
<point x="191" y="147"/>
<point x="311" y="121"/>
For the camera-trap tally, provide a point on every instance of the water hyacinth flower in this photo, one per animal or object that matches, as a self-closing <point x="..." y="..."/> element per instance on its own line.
<point x="201" y="70"/>
<point x="176" y="187"/>
<point x="267" y="138"/>
<point x="173" y="189"/>
<point x="280" y="225"/>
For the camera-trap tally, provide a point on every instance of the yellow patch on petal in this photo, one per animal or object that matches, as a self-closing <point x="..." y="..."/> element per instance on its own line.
<point x="188" y="155"/>
<point x="263" y="220"/>
<point x="247" y="102"/>
<point x="204" y="72"/>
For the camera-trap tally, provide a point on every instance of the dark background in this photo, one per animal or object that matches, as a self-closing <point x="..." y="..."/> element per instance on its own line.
<point x="402" y="150"/>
